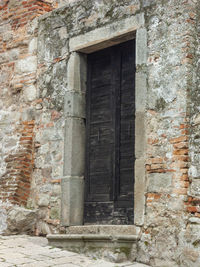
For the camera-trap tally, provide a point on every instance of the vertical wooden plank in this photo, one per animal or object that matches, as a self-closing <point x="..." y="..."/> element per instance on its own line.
<point x="116" y="69"/>
<point x="123" y="208"/>
<point x="87" y="156"/>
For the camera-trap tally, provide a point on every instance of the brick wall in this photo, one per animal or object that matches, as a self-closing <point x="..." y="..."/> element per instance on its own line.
<point x="15" y="183"/>
<point x="18" y="64"/>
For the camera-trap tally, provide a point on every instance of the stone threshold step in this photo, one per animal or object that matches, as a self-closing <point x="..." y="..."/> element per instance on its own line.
<point x="93" y="237"/>
<point x="118" y="247"/>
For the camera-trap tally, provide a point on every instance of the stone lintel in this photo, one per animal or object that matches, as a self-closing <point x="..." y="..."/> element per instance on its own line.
<point x="108" y="35"/>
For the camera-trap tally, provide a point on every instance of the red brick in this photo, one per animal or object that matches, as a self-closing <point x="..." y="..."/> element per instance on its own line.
<point x="184" y="177"/>
<point x="180" y="158"/>
<point x="179" y="139"/>
<point x="180" y="152"/>
<point x="192" y="209"/>
<point x="181" y="145"/>
<point x="154" y="160"/>
<point x="55" y="181"/>
<point x="158" y="166"/>
<point x="151" y="141"/>
<point x="184" y="184"/>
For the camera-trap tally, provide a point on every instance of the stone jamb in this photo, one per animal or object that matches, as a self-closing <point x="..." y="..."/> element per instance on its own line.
<point x="74" y="161"/>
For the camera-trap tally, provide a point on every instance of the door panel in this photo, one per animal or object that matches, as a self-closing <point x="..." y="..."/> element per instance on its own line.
<point x="110" y="135"/>
<point x="127" y="118"/>
<point x="99" y="123"/>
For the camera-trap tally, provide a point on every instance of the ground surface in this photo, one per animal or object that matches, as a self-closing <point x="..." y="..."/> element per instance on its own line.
<point x="29" y="251"/>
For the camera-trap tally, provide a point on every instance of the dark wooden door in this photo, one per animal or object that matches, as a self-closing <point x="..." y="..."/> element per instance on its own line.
<point x="110" y="136"/>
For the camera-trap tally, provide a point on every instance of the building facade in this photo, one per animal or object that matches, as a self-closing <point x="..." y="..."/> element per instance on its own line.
<point x="45" y="47"/>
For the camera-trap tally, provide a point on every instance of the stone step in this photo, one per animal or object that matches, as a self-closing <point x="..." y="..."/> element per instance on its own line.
<point x="114" y="247"/>
<point x="104" y="229"/>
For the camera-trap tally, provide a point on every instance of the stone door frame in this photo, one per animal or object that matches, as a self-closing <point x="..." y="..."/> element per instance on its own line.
<point x="72" y="183"/>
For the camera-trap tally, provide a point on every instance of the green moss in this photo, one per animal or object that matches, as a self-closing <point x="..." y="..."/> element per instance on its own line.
<point x="160" y="104"/>
<point x="196" y="243"/>
<point x="110" y="13"/>
<point x="125" y="250"/>
<point x="54" y="213"/>
<point x="30" y="205"/>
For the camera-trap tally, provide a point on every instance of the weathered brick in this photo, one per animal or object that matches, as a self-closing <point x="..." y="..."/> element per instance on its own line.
<point x="179" y="139"/>
<point x="180" y="152"/>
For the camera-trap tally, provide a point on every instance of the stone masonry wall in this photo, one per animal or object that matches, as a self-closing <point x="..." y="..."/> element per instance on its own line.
<point x="20" y="104"/>
<point x="170" y="233"/>
<point x="34" y="62"/>
<point x="18" y="65"/>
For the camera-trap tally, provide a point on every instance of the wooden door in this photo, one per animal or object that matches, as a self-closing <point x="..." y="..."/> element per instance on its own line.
<point x="110" y="136"/>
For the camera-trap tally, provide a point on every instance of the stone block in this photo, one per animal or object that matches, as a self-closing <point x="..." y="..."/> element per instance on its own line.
<point x="63" y="32"/>
<point x="32" y="46"/>
<point x="43" y="200"/>
<point x="115" y="248"/>
<point x="141" y="91"/>
<point x="26" y="65"/>
<point x="74" y="104"/>
<point x="30" y="93"/>
<point x="9" y="56"/>
<point x="56" y="190"/>
<point x="195" y="188"/>
<point x="193" y="171"/>
<point x="74" y="149"/>
<point x="152" y="99"/>
<point x="52" y="43"/>
<point x="195" y="220"/>
<point x="21" y="220"/>
<point x="141" y="46"/>
<point x="28" y="114"/>
<point x="147" y="3"/>
<point x="193" y="233"/>
<point x="3" y="219"/>
<point x="159" y="182"/>
<point x="77" y="72"/>
<point x="139" y="191"/>
<point x="72" y="200"/>
<point x="140" y="140"/>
